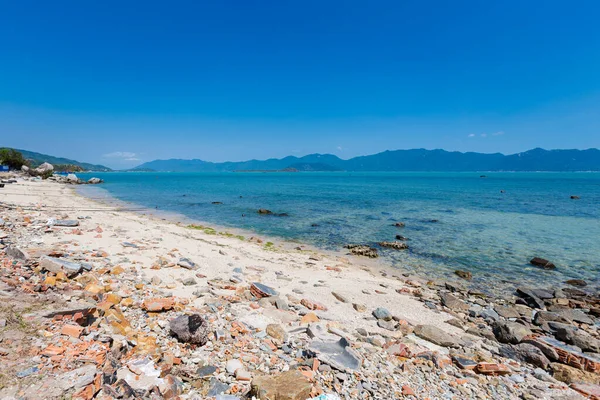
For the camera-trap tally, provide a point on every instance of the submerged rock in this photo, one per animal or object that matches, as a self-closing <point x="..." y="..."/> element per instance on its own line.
<point x="394" y="245"/>
<point x="542" y="262"/>
<point x="464" y="274"/>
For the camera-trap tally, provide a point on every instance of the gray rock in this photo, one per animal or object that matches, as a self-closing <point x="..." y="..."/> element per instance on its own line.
<point x="338" y="355"/>
<point x="17" y="253"/>
<point x="340" y="297"/>
<point x="57" y="265"/>
<point x="575" y="315"/>
<point x="382" y="313"/>
<point x="574" y="336"/>
<point x="453" y="303"/>
<point x="69" y="223"/>
<point x="190" y="329"/>
<point x="45" y="168"/>
<point x="548" y="351"/>
<point x="94" y="181"/>
<point x="388" y="325"/>
<point x="189" y="282"/>
<point x="507" y="312"/>
<point x="525" y="352"/>
<point x="509" y="332"/>
<point x="216" y="388"/>
<point x="436" y="335"/>
<point x="72" y="178"/>
<point x="531" y="299"/>
<point x="186" y="263"/>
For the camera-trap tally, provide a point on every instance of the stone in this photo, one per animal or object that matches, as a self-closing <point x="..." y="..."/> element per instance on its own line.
<point x="16" y="253"/>
<point x="206" y="370"/>
<point x="436" y="335"/>
<point x="44" y="169"/>
<point x="276" y="332"/>
<point x="394" y="245"/>
<point x="576" y="282"/>
<point x="68" y="223"/>
<point x="507" y="312"/>
<point x="141" y="374"/>
<point x="158" y="304"/>
<point x="388" y="325"/>
<point x="77" y="378"/>
<point x="289" y="385"/>
<point x="548" y="351"/>
<point x="382" y="313"/>
<point x="190" y="329"/>
<point x="313" y="305"/>
<point x="171" y="387"/>
<point x="362" y="250"/>
<point x="94" y="181"/>
<point x="57" y="265"/>
<point x="259" y="290"/>
<point x="571" y="355"/>
<point x="340" y="297"/>
<point x="525" y="352"/>
<point x="464" y="274"/>
<point x="567" y="374"/>
<point x="453" y="303"/>
<point x="338" y="355"/>
<point x="509" y="332"/>
<point x="577" y="337"/>
<point x="233" y="365"/>
<point x="216" y="388"/>
<point x="72" y="178"/>
<point x="359" y="307"/>
<point x="589" y="390"/>
<point x="531" y="298"/>
<point x="464" y="362"/>
<point x="542" y="263"/>
<point x="309" y="318"/>
<point x="189" y="282"/>
<point x="264" y="211"/>
<point x="186" y="263"/>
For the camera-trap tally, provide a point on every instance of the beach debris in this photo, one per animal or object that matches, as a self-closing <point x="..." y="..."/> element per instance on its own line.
<point x="68" y="223"/>
<point x="338" y="355"/>
<point x="186" y="263"/>
<point x="259" y="290"/>
<point x="158" y="304"/>
<point x="17" y="253"/>
<point x="56" y="265"/>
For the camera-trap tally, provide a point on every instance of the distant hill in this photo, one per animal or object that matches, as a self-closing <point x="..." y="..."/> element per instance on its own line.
<point x="37" y="158"/>
<point x="402" y="160"/>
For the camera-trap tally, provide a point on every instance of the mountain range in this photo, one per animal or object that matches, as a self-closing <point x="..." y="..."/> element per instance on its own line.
<point x="38" y="158"/>
<point x="400" y="160"/>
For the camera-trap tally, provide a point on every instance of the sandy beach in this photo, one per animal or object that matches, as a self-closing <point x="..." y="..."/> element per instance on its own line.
<point x="131" y="259"/>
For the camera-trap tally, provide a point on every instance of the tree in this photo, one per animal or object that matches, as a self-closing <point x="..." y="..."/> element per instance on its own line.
<point x="12" y="158"/>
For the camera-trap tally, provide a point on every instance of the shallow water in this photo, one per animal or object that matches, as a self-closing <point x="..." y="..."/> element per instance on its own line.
<point x="479" y="228"/>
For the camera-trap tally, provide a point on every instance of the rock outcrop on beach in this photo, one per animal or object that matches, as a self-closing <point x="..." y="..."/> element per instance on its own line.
<point x="362" y="250"/>
<point x="99" y="306"/>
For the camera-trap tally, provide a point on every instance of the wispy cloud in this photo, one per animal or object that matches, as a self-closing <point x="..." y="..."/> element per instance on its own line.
<point x="123" y="155"/>
<point x="472" y="135"/>
<point x="498" y="133"/>
<point x="484" y="134"/>
<point x="339" y="148"/>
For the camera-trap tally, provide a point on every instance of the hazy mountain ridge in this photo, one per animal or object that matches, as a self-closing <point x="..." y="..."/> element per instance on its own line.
<point x="404" y="160"/>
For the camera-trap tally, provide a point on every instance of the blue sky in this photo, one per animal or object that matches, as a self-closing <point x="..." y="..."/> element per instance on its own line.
<point x="120" y="83"/>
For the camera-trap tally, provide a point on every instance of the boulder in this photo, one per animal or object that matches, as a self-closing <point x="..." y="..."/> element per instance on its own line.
<point x="44" y="169"/>
<point x="289" y="385"/>
<point x="509" y="332"/>
<point x="436" y="335"/>
<point x="264" y="211"/>
<point x="25" y="168"/>
<point x="542" y="263"/>
<point x="567" y="374"/>
<point x="57" y="265"/>
<point x="362" y="250"/>
<point x="72" y="178"/>
<point x="453" y="303"/>
<point x="531" y="298"/>
<point x="527" y="353"/>
<point x="94" y="181"/>
<point x="394" y="245"/>
<point x="190" y="329"/>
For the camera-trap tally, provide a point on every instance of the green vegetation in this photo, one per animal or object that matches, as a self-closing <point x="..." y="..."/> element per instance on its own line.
<point x="212" y="231"/>
<point x="13" y="158"/>
<point x="60" y="164"/>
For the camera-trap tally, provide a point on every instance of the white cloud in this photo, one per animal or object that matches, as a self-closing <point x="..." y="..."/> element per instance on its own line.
<point x="471" y="135"/>
<point x="498" y="133"/>
<point x="126" y="155"/>
<point x="483" y="135"/>
<point x="339" y="148"/>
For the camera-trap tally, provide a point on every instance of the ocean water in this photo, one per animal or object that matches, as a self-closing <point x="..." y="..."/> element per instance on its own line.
<point x="491" y="226"/>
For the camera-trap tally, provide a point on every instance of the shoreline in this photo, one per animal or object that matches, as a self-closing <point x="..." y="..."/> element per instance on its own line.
<point x="270" y="311"/>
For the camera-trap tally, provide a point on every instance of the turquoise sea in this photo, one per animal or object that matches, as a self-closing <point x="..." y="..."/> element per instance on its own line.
<point x="491" y="226"/>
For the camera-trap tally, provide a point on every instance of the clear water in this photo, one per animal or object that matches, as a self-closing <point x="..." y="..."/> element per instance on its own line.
<point x="478" y="228"/>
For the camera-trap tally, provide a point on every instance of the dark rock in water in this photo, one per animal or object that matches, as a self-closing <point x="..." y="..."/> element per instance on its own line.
<point x="541" y="293"/>
<point x="399" y="225"/>
<point x="453" y="303"/>
<point x="542" y="262"/>
<point x="282" y="215"/>
<point x="400" y="237"/>
<point x="434" y="220"/>
<point x="576" y="282"/>
<point x="216" y="202"/>
<point x="464" y="274"/>
<point x="453" y="287"/>
<point x="510" y="332"/>
<point x="525" y="352"/>
<point x="95" y="181"/>
<point x="575" y="197"/>
<point x="573" y="292"/>
<point x="190" y="329"/>
<point x="362" y="250"/>
<point x="483" y="176"/>
<point x="314" y="225"/>
<point x="265" y="211"/>
<point x="394" y="245"/>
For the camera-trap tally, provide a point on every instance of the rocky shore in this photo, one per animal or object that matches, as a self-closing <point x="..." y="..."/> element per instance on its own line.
<point x="98" y="302"/>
